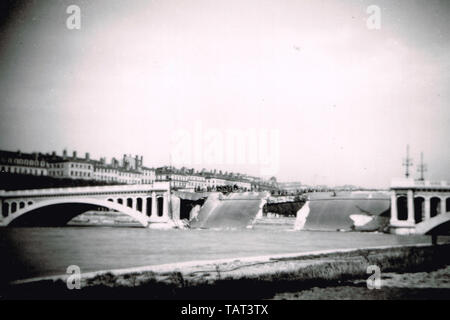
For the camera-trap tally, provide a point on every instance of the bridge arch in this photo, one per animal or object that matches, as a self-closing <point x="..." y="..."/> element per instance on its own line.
<point x="13" y="207"/>
<point x="139" y="204"/>
<point x="402" y="208"/>
<point x="435" y="203"/>
<point x="419" y="209"/>
<point x="130" y="202"/>
<point x="71" y="206"/>
<point x="149" y="212"/>
<point x="439" y="224"/>
<point x="5" y="209"/>
<point x="159" y="206"/>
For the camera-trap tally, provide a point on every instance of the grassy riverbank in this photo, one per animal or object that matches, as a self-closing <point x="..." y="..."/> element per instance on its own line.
<point x="411" y="285"/>
<point x="240" y="279"/>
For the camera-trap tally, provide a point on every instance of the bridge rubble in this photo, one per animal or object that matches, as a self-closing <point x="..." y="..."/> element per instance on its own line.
<point x="355" y="211"/>
<point x="409" y="207"/>
<point x="235" y="210"/>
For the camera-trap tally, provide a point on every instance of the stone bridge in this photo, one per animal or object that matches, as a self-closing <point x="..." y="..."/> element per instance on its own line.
<point x="55" y="207"/>
<point x="420" y="207"/>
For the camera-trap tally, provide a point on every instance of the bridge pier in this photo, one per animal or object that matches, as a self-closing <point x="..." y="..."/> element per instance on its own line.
<point x="397" y="226"/>
<point x="144" y="205"/>
<point x="165" y="214"/>
<point x="394" y="213"/>
<point x="158" y="216"/>
<point x="428" y="191"/>
<point x="411" y="207"/>
<point x="175" y="203"/>
<point x="154" y="205"/>
<point x="427" y="208"/>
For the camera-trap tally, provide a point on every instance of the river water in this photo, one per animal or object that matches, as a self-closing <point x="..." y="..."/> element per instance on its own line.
<point x="32" y="252"/>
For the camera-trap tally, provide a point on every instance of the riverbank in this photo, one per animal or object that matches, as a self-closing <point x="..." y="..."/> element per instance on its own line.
<point x="39" y="252"/>
<point x="268" y="277"/>
<point x="394" y="286"/>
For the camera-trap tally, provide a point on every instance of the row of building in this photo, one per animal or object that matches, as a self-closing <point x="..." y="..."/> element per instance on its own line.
<point x="128" y="170"/>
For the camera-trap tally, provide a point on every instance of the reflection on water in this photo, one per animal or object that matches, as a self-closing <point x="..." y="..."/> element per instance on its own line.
<point x="29" y="252"/>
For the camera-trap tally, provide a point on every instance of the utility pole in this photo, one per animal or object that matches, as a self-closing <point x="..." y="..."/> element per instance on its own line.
<point x="422" y="168"/>
<point x="407" y="162"/>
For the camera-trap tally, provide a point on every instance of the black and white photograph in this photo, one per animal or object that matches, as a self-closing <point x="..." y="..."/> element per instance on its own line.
<point x="227" y="155"/>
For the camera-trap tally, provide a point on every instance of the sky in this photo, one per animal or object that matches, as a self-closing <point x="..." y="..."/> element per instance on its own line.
<point x="306" y="89"/>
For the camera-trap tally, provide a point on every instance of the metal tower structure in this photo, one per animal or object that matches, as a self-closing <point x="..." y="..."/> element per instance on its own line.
<point x="422" y="168"/>
<point x="407" y="162"/>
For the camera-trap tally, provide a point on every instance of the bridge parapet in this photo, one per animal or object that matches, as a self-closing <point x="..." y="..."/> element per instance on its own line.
<point x="157" y="186"/>
<point x="413" y="184"/>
